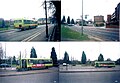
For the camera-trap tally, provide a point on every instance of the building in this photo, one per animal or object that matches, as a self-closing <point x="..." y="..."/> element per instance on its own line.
<point x="115" y="15"/>
<point x="43" y="20"/>
<point x="109" y="18"/>
<point x="113" y="20"/>
<point x="99" y="20"/>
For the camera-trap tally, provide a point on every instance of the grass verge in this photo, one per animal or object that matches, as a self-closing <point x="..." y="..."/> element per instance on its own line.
<point x="68" y="34"/>
<point x="5" y="28"/>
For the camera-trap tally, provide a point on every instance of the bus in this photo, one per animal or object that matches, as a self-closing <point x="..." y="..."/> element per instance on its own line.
<point x="24" y="24"/>
<point x="33" y="63"/>
<point x="107" y="64"/>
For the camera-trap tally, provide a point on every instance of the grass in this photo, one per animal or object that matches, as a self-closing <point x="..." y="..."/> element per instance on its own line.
<point x="5" y="28"/>
<point x="67" y="33"/>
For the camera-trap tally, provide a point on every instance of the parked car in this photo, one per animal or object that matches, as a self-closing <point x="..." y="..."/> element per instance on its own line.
<point x="70" y="24"/>
<point x="73" y="64"/>
<point x="4" y="65"/>
<point x="64" y="64"/>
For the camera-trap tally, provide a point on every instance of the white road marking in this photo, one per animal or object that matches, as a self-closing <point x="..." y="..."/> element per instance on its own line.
<point x="32" y="37"/>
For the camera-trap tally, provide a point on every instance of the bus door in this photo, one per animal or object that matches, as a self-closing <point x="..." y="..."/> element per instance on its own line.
<point x="24" y="64"/>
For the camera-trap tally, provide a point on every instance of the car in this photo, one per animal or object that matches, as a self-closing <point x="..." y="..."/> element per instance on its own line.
<point x="64" y="64"/>
<point x="4" y="65"/>
<point x="73" y="64"/>
<point x="70" y="24"/>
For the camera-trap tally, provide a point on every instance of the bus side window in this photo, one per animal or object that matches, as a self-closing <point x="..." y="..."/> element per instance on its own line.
<point x="30" y="62"/>
<point x="40" y="61"/>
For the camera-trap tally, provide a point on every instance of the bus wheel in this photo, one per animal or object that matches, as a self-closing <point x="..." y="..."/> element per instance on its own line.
<point x="46" y="67"/>
<point x="29" y="27"/>
<point x="22" y="29"/>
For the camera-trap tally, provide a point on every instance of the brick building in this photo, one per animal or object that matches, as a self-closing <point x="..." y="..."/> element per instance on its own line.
<point x="99" y="20"/>
<point x="113" y="20"/>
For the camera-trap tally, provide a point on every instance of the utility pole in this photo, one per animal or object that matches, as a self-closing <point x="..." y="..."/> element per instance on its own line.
<point x="5" y="55"/>
<point x="11" y="61"/>
<point x="82" y="17"/>
<point x="25" y="53"/>
<point x="20" y="61"/>
<point x="46" y="20"/>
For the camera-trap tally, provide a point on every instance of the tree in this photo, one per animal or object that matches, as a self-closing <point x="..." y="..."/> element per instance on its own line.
<point x="63" y="20"/>
<point x="68" y="20"/>
<point x="66" y="58"/>
<point x="118" y="61"/>
<point x="54" y="57"/>
<point x="108" y="59"/>
<point x="100" y="58"/>
<point x="33" y="53"/>
<point x="72" y="21"/>
<point x="83" y="59"/>
<point x="14" y="60"/>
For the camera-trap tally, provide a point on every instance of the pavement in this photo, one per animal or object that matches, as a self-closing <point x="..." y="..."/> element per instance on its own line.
<point x="14" y="72"/>
<point x="76" y="69"/>
<point x="92" y="38"/>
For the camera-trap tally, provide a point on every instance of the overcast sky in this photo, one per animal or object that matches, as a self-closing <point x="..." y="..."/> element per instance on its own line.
<point x="21" y="8"/>
<point x="33" y="9"/>
<point x="43" y="49"/>
<point x="73" y="8"/>
<point x="74" y="49"/>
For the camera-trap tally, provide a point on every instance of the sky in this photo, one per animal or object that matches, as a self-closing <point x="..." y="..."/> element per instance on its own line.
<point x="74" y="49"/>
<point x="73" y="8"/>
<point x="10" y="9"/>
<point x="43" y="49"/>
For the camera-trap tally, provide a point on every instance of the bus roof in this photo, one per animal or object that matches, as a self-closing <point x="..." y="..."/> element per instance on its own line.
<point x="104" y="62"/>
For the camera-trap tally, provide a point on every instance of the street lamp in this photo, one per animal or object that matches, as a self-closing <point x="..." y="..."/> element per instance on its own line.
<point x="5" y="56"/>
<point x="82" y="17"/>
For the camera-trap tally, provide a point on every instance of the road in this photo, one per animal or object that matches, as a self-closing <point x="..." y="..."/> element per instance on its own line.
<point x="52" y="75"/>
<point x="106" y="34"/>
<point x="37" y="34"/>
<point x="31" y="78"/>
<point x="90" y="77"/>
<point x="47" y="76"/>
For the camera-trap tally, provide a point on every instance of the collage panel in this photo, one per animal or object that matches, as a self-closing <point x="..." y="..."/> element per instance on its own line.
<point x="94" y="20"/>
<point x="29" y="62"/>
<point x="34" y="20"/>
<point x="89" y="62"/>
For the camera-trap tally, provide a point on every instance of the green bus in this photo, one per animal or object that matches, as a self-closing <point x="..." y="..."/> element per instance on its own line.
<point x="108" y="64"/>
<point x="24" y="24"/>
<point x="33" y="63"/>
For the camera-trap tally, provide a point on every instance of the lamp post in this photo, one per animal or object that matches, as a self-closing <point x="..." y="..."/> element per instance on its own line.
<point x="82" y="17"/>
<point x="5" y="56"/>
<point x="46" y="20"/>
<point x="20" y="62"/>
